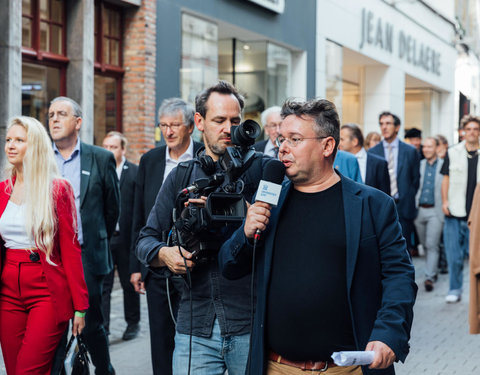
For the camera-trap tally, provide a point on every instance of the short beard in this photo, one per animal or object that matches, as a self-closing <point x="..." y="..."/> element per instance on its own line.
<point x="215" y="148"/>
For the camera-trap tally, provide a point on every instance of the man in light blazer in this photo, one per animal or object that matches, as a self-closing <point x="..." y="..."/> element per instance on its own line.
<point x="373" y="169"/>
<point x="403" y="167"/>
<point x="91" y="171"/>
<point x="430" y="218"/>
<point x="355" y="291"/>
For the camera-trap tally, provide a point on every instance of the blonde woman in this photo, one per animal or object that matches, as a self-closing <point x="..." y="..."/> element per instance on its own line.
<point x="42" y="284"/>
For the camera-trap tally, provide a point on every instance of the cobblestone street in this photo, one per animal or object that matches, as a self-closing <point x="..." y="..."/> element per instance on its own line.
<point x="440" y="342"/>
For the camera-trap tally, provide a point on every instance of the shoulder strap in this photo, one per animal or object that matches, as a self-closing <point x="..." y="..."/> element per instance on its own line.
<point x="182" y="176"/>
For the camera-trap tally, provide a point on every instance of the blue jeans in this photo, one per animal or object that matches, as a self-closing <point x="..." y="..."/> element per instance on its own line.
<point x="213" y="355"/>
<point x="455" y="238"/>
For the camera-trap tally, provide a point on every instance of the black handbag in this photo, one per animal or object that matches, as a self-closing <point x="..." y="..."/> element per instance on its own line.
<point x="79" y="361"/>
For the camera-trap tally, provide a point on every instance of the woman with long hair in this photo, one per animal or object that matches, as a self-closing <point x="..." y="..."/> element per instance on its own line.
<point x="42" y="285"/>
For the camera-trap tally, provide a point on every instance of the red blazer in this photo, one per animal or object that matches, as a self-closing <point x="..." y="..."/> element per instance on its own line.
<point x="65" y="281"/>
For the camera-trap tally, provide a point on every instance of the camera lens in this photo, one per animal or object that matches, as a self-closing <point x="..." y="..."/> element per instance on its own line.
<point x="245" y="133"/>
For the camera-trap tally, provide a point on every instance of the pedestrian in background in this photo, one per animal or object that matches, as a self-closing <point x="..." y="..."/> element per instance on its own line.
<point x="403" y="167"/>
<point x="120" y="243"/>
<point x="42" y="284"/>
<point x="271" y="121"/>
<point x="373" y="168"/>
<point x="442" y="146"/>
<point x="461" y="172"/>
<point x="176" y="121"/>
<point x="372" y="139"/>
<point x="429" y="221"/>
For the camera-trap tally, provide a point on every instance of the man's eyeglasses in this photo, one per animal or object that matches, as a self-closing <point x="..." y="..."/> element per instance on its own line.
<point x="273" y="125"/>
<point x="173" y="126"/>
<point x="293" y="141"/>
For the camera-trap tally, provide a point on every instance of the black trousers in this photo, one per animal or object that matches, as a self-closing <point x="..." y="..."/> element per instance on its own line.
<point x="94" y="332"/>
<point x="131" y="299"/>
<point x="162" y="328"/>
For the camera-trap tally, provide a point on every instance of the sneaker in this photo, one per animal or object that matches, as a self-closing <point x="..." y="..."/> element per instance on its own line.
<point x="428" y="285"/>
<point x="452" y="298"/>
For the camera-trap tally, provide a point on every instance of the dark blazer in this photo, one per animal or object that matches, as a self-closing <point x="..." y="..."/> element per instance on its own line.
<point x="65" y="281"/>
<point x="127" y="196"/>
<point x="148" y="183"/>
<point x="408" y="177"/>
<point x="260" y="146"/>
<point x="99" y="207"/>
<point x="380" y="276"/>
<point x="377" y="173"/>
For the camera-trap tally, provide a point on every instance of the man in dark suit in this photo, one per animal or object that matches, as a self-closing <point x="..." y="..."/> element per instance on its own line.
<point x="91" y="171"/>
<point x="404" y="170"/>
<point x="354" y="291"/>
<point x="122" y="237"/>
<point x="176" y="119"/>
<point x="271" y="122"/>
<point x="374" y="169"/>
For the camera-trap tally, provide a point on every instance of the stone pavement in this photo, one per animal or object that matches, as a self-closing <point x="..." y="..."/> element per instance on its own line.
<point x="440" y="342"/>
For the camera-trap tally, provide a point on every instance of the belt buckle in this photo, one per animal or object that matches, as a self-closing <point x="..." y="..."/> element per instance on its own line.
<point x="313" y="369"/>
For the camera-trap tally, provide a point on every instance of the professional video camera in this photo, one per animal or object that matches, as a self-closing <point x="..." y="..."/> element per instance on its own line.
<point x="199" y="229"/>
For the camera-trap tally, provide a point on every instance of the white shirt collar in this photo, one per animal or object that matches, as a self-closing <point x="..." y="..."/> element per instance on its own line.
<point x="187" y="155"/>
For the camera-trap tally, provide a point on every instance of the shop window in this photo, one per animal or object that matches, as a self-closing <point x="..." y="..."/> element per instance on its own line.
<point x="105" y="108"/>
<point x="351" y="106"/>
<point x="418" y="108"/>
<point x="260" y="70"/>
<point x="43" y="29"/>
<point x="43" y="55"/>
<point x="40" y="84"/>
<point x="199" y="56"/>
<point x="334" y="74"/>
<point x="108" y="70"/>
<point x="108" y="36"/>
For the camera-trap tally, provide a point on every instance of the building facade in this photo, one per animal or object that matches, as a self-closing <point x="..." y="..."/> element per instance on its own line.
<point x="100" y="53"/>
<point x="120" y="59"/>
<point x="266" y="48"/>
<point x="400" y="56"/>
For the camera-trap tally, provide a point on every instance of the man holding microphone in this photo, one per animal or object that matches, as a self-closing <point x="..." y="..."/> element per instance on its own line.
<point x="332" y="269"/>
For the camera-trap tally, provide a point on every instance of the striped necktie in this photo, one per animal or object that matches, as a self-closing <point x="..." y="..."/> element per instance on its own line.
<point x="391" y="172"/>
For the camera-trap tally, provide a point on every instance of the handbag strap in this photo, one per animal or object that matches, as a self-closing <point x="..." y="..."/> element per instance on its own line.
<point x="70" y="342"/>
<point x="82" y="347"/>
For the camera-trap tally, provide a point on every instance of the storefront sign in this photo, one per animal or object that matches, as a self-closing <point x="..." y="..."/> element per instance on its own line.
<point x="275" y="5"/>
<point x="380" y="34"/>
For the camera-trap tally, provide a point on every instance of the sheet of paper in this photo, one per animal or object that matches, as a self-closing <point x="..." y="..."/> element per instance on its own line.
<point x="353" y="358"/>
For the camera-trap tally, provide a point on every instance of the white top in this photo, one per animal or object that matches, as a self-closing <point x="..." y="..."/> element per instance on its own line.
<point x="172" y="163"/>
<point x="362" y="162"/>
<point x="120" y="168"/>
<point x="12" y="227"/>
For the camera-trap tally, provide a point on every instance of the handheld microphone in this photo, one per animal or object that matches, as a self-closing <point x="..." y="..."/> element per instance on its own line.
<point x="203" y="183"/>
<point x="270" y="185"/>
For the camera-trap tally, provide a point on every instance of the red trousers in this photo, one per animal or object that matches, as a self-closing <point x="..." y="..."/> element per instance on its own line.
<point x="29" y="333"/>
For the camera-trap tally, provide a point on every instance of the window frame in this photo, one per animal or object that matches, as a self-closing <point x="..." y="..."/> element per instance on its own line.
<point x="108" y="70"/>
<point x="34" y="53"/>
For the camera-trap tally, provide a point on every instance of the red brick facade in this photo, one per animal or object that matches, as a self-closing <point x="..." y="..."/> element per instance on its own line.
<point x="139" y="81"/>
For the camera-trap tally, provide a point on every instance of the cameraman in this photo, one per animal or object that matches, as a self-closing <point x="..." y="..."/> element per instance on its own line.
<point x="220" y="310"/>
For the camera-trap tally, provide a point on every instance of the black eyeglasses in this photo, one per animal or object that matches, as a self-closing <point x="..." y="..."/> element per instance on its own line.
<point x="294" y="141"/>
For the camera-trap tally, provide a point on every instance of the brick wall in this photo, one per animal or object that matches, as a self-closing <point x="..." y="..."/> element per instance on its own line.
<point x="139" y="80"/>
